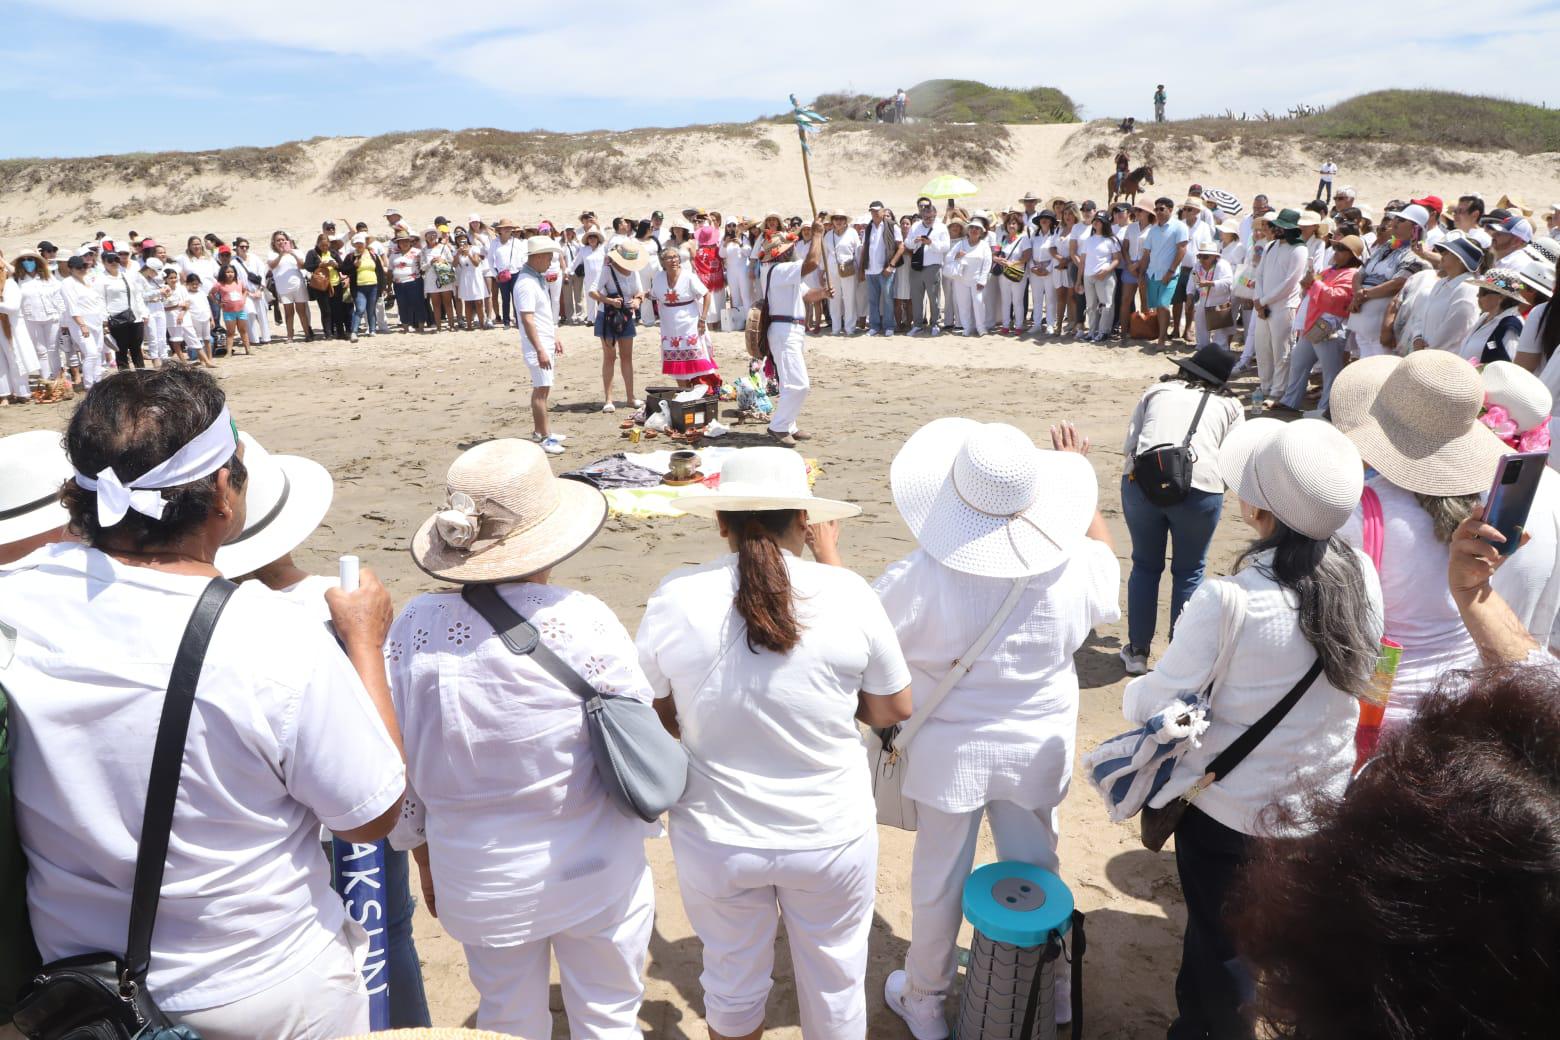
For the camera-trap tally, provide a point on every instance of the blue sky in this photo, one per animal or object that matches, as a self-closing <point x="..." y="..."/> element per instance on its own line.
<point x="85" y="77"/>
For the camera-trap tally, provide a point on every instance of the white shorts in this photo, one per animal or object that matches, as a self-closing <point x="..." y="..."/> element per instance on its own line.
<point x="300" y="294"/>
<point x="540" y="377"/>
<point x="735" y="898"/>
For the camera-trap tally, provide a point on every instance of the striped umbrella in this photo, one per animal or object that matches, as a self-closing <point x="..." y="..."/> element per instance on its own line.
<point x="1223" y="201"/>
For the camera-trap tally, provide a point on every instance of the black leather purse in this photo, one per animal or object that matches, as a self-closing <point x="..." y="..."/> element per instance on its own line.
<point x="98" y="996"/>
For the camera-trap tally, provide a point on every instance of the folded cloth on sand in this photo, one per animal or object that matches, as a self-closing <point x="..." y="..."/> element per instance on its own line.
<point x="615" y="471"/>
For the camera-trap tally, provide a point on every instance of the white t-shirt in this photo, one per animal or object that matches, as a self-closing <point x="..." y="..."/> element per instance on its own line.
<point x="934" y="239"/>
<point x="282" y="734"/>
<point x="1200" y="235"/>
<point x="1132" y="241"/>
<point x="1420" y="614"/>
<point x="1328" y="169"/>
<point x="202" y="265"/>
<point x="1006" y="731"/>
<point x="880" y="238"/>
<point x="1097" y="251"/>
<point x="1073" y="243"/>
<point x="776" y="760"/>
<point x="523" y="838"/>
<point x="532" y="297"/>
<point x="783" y="283"/>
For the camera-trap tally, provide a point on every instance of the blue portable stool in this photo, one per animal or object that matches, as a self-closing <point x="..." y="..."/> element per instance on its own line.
<point x="1025" y="928"/>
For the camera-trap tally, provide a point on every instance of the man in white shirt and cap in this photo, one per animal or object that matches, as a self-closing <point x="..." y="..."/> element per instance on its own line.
<point x="538" y="334"/>
<point x="927" y="243"/>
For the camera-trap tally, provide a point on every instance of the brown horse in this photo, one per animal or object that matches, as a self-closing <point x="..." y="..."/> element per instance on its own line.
<point x="1129" y="186"/>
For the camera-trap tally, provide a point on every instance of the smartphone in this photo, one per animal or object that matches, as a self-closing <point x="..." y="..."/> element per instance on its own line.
<point x="1511" y="497"/>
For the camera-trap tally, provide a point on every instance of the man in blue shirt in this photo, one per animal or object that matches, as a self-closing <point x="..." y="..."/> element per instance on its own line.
<point x="1165" y="245"/>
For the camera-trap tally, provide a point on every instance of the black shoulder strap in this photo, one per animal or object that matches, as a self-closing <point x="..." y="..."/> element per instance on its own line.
<point x="167" y="763"/>
<point x="1247" y="742"/>
<point x="1196" y="418"/>
<point x="521" y="637"/>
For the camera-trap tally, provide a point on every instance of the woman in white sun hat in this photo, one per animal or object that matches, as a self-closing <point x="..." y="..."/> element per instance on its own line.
<point x="1008" y="535"/>
<point x="1517" y="406"/>
<point x="1433" y="459"/>
<point x="763" y="662"/>
<point x="33" y="468"/>
<point x="1300" y="624"/>
<point x="524" y="856"/>
<point x="287" y="497"/>
<point x="1499" y="328"/>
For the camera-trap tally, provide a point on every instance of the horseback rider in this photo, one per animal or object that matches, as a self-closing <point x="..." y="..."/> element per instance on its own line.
<point x="1123" y="167"/>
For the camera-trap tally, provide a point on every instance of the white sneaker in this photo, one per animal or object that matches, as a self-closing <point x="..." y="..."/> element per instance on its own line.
<point x="1134" y="660"/>
<point x="609" y="407"/>
<point x="937" y="330"/>
<point x="552" y="446"/>
<point x="924" y="1015"/>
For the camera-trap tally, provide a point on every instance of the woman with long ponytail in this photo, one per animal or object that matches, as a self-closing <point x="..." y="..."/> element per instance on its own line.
<point x="762" y="663"/>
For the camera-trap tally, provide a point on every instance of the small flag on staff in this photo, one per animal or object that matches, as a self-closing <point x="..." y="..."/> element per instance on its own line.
<point x="807" y="122"/>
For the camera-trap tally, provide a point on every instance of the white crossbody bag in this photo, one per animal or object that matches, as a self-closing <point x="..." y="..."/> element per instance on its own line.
<point x="889" y="749"/>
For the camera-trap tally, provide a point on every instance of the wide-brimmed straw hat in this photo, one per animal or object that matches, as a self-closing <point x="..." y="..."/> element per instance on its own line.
<point x="757" y="479"/>
<point x="1354" y="244"/>
<point x="33" y="467"/>
<point x="1524" y="396"/>
<point x="1305" y="473"/>
<point x="506" y="225"/>
<point x="506" y="516"/>
<point x="982" y="498"/>
<point x="777" y="245"/>
<point x="1422" y="431"/>
<point x="288" y="496"/>
<point x="592" y="230"/>
<point x="1355" y="389"/>
<point x="629" y="255"/>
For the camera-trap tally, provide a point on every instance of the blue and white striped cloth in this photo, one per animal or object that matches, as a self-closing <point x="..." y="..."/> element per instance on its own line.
<point x="1129" y="769"/>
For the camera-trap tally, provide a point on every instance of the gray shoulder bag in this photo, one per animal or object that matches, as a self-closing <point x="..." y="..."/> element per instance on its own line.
<point x="643" y="768"/>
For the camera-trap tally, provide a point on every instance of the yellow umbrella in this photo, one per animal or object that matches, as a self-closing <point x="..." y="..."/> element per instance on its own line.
<point x="947" y="186"/>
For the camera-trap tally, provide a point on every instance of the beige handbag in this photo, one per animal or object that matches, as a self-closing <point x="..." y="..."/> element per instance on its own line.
<point x="889" y="749"/>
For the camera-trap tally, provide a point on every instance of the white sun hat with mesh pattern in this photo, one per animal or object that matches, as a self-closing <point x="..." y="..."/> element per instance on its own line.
<point x="982" y="498"/>
<point x="1305" y="472"/>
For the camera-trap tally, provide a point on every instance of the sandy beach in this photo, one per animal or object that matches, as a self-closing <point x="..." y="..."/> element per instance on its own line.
<point x="387" y="415"/>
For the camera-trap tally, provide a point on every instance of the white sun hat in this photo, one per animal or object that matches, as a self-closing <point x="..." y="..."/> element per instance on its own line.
<point x="33" y="468"/>
<point x="288" y="496"/>
<point x="1524" y="396"/>
<point x="971" y="493"/>
<point x="1355" y="389"/>
<point x="1305" y="472"/>
<point x="757" y="479"/>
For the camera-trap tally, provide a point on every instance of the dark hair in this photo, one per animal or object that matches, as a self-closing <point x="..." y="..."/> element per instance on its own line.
<point x="224" y="271"/>
<point x="1335" y="616"/>
<point x="1164" y="200"/>
<point x="1290" y="235"/>
<point x="131" y="424"/>
<point x="1549" y="325"/>
<point x="1102" y="219"/>
<point x="764" y="598"/>
<point x="1317" y="206"/>
<point x="1472" y="202"/>
<point x="1424" y="903"/>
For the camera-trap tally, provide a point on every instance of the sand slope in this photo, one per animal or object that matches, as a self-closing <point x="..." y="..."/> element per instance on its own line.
<point x="737" y="171"/>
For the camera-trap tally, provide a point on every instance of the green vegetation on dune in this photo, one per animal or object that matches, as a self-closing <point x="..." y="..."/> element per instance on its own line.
<point x="1425" y="118"/>
<point x="959" y="101"/>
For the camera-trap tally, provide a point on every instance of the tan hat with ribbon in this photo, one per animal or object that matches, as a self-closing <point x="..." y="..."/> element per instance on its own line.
<point x="506" y="516"/>
<point x="1423" y="431"/>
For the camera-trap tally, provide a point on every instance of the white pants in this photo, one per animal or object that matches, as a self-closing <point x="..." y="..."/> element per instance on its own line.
<point x="991" y="299"/>
<point x="737" y="289"/>
<point x="971" y="303"/>
<point x="1366" y="326"/>
<point x="1011" y="311"/>
<point x="736" y="897"/>
<point x="842" y="308"/>
<point x="90" y="344"/>
<point x="554" y="293"/>
<point x="1274" y="337"/>
<point x="325" y="999"/>
<point x="186" y="337"/>
<point x="601" y="964"/>
<point x="13" y="374"/>
<point x="951" y="311"/>
<point x="1042" y="299"/>
<point x="944" y="856"/>
<point x="860" y="293"/>
<point x="157" y="334"/>
<point x="1099" y="299"/>
<point x="788" y="344"/>
<point x="1204" y="337"/>
<point x="260" y="319"/>
<point x="46" y="340"/>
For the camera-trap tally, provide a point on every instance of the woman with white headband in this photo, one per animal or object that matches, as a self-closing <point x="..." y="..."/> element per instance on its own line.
<point x="1014" y="569"/>
<point x="287" y="731"/>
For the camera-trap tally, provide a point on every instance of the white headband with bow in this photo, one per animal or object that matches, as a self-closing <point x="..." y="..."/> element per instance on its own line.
<point x="201" y="457"/>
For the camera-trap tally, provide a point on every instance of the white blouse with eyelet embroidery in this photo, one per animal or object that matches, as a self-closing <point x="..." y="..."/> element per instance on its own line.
<point x="523" y="839"/>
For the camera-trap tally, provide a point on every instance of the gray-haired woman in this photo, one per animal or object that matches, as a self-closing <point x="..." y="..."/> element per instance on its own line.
<point x="1301" y="613"/>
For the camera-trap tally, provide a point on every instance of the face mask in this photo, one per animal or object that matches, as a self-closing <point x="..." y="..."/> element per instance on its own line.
<point x="29" y="266"/>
